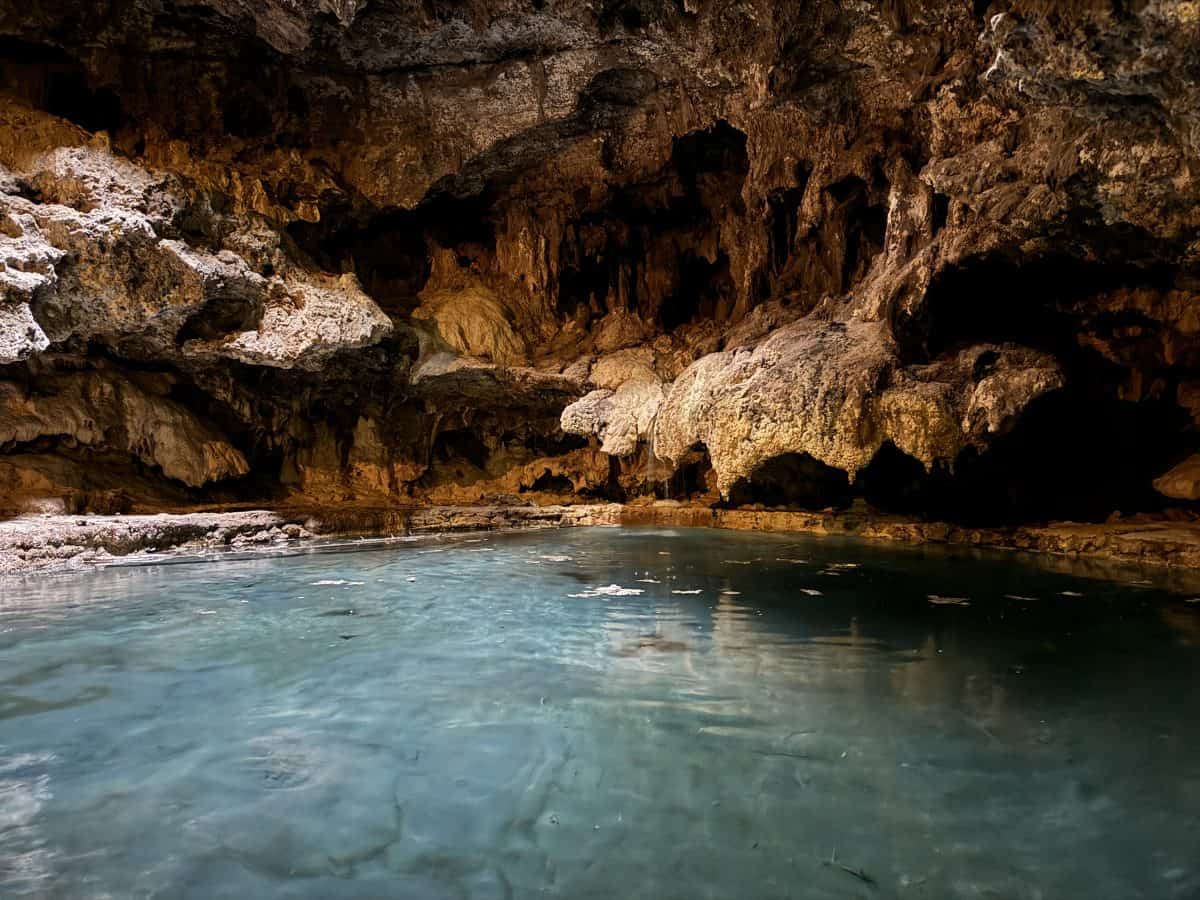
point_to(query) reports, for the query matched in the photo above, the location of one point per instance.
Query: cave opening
(792, 481)
(654, 246)
(220, 316)
(718, 151)
(460, 444)
(705, 291)
(896, 482)
(387, 252)
(1073, 455)
(864, 224)
(549, 483)
(692, 478)
(51, 79)
(783, 208)
(998, 298)
(1084, 452)
(247, 114)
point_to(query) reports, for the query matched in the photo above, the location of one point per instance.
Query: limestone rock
(836, 392)
(1182, 482)
(20, 334)
(397, 251)
(473, 321)
(622, 410)
(104, 412)
(304, 324)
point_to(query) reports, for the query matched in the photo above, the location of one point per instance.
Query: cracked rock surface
(940, 258)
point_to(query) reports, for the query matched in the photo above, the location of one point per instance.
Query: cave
(642, 250)
(792, 481)
(460, 444)
(594, 229)
(492, 449)
(52, 79)
(691, 478)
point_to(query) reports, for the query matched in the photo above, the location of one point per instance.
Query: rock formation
(941, 257)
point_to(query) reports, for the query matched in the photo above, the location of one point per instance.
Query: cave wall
(940, 257)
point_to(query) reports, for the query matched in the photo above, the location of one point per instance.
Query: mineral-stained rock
(472, 321)
(388, 252)
(836, 392)
(1182, 482)
(98, 411)
(20, 334)
(622, 409)
(303, 324)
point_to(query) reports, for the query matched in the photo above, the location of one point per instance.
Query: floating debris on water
(336, 612)
(556, 558)
(732, 593)
(948, 601)
(696, 591)
(790, 559)
(1069, 594)
(648, 581)
(812, 592)
(609, 590)
(328, 582)
(862, 876)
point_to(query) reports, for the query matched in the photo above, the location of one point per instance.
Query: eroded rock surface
(942, 257)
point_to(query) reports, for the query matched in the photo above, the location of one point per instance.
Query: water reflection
(509, 716)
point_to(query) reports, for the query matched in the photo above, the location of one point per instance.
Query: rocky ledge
(940, 259)
(45, 544)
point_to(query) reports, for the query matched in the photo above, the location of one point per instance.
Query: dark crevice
(460, 444)
(1026, 301)
(691, 479)
(645, 250)
(51, 79)
(939, 212)
(793, 480)
(550, 484)
(1073, 455)
(705, 291)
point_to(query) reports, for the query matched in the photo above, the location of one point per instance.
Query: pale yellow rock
(472, 320)
(112, 413)
(1181, 482)
(835, 391)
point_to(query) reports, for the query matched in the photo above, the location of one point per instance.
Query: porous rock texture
(942, 257)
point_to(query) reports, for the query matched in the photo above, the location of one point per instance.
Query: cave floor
(1129, 550)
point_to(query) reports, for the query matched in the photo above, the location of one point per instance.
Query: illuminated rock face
(942, 257)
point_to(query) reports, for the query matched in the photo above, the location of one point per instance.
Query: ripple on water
(810, 723)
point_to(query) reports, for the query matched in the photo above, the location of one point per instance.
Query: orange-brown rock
(943, 258)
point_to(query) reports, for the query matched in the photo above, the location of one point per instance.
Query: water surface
(503, 716)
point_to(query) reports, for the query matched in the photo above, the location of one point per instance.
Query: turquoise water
(474, 719)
